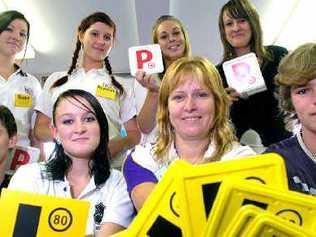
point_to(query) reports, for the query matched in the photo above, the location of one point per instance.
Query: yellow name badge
(36, 215)
(23, 100)
(106, 92)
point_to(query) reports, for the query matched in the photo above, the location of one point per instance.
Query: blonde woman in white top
(193, 125)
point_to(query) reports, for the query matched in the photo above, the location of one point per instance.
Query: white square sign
(147, 58)
(244, 74)
(21, 155)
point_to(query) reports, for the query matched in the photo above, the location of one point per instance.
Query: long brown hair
(243, 9)
(8, 16)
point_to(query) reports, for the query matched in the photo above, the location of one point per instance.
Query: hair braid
(114, 82)
(64, 79)
(75, 57)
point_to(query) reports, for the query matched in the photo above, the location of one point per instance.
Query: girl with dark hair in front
(241, 33)
(19, 91)
(91, 71)
(79, 166)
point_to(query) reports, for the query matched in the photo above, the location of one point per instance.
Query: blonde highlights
(163, 18)
(221, 133)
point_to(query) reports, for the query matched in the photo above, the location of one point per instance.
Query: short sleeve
(278, 52)
(119, 207)
(44, 103)
(238, 151)
(243, 151)
(140, 95)
(127, 101)
(135, 174)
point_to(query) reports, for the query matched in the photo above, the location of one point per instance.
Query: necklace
(309, 153)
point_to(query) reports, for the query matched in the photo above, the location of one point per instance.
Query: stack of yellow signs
(33, 215)
(254, 221)
(229, 217)
(209, 200)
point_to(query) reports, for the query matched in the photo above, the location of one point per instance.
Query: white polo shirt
(20, 93)
(109, 202)
(118, 110)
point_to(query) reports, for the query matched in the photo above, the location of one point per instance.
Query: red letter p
(143, 56)
(20, 157)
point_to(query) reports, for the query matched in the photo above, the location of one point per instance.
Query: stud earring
(57, 139)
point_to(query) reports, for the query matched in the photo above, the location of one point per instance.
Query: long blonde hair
(221, 134)
(163, 18)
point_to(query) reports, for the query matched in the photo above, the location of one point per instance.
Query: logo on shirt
(28, 90)
(98, 213)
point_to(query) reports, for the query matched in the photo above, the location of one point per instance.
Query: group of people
(187, 112)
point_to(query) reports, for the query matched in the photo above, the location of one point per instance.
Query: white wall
(54, 23)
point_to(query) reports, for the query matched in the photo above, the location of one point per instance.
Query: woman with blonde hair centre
(193, 125)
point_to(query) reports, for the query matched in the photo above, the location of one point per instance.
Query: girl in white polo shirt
(19, 91)
(80, 166)
(91, 71)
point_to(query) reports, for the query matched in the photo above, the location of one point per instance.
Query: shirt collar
(88, 189)
(173, 155)
(19, 70)
(100, 71)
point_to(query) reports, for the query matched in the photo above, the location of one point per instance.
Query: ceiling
(54, 23)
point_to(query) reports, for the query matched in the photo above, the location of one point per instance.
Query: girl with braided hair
(91, 71)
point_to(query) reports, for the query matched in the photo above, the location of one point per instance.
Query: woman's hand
(147, 80)
(233, 94)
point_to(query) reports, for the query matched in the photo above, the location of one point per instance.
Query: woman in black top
(241, 33)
